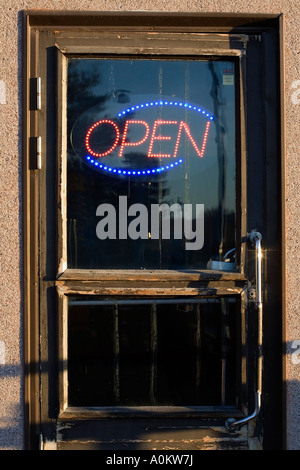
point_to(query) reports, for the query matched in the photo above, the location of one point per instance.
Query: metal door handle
(231, 423)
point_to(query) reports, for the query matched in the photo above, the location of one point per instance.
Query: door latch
(231, 423)
(251, 293)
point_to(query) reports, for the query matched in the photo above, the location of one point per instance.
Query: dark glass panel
(146, 352)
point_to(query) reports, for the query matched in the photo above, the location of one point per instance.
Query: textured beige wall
(11, 421)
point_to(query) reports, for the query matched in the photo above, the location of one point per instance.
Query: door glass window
(143, 352)
(151, 163)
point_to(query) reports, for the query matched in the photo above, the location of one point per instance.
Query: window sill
(150, 412)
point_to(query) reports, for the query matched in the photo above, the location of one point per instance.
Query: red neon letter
(159, 137)
(88, 135)
(133, 144)
(184, 125)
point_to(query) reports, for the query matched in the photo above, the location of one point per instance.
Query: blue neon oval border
(121, 171)
(167, 103)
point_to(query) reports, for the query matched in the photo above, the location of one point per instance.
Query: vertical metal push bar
(231, 423)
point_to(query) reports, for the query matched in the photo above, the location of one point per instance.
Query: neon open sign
(144, 139)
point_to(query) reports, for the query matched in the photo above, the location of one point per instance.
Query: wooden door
(159, 158)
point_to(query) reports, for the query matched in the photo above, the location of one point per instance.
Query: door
(158, 238)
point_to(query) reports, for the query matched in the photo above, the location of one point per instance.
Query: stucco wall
(11, 379)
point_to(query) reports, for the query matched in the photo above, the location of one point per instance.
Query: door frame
(271, 26)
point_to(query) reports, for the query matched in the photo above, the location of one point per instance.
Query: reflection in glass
(101, 90)
(162, 352)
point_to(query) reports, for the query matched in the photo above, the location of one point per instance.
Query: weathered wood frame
(134, 282)
(145, 44)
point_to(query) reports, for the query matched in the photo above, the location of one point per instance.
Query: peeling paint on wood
(149, 435)
(98, 289)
